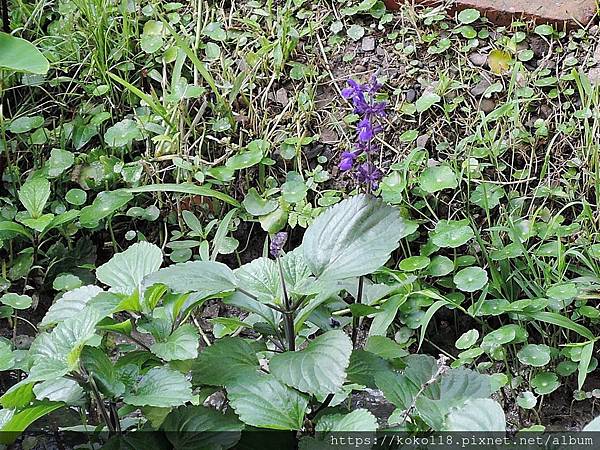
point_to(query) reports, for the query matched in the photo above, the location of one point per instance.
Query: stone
(487, 105)
(368, 44)
(557, 12)
(478, 59)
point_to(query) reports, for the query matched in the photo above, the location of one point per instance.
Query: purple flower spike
(367, 173)
(277, 243)
(347, 161)
(366, 130)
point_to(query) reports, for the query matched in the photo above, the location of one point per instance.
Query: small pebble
(477, 59)
(368, 44)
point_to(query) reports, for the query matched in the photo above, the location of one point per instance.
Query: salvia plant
(291, 367)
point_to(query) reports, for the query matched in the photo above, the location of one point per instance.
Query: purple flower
(367, 130)
(277, 243)
(347, 161)
(368, 173)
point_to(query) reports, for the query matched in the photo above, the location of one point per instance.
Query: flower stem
(355, 319)
(288, 315)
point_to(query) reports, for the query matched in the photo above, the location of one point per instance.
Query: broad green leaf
(102, 369)
(363, 367)
(467, 339)
(20, 55)
(62, 390)
(487, 195)
(226, 360)
(70, 304)
(359, 420)
(471, 279)
(319, 369)
(437, 178)
(21, 420)
(468, 16)
(452, 233)
(256, 205)
(545, 383)
(353, 238)
(414, 263)
(527, 400)
(563, 291)
(34, 194)
(180, 345)
(161, 387)
(122, 133)
(57, 353)
(7, 358)
(593, 426)
(206, 278)
(440, 266)
(534, 355)
(195, 427)
(16, 301)
(25, 124)
(477, 415)
(60, 160)
(261, 400)
(66, 282)
(8, 230)
(105, 204)
(125, 271)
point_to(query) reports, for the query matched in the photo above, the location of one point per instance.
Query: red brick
(501, 12)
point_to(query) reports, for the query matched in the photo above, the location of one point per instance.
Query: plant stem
(356, 320)
(5, 18)
(288, 315)
(101, 404)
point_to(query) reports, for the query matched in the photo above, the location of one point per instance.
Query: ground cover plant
(298, 216)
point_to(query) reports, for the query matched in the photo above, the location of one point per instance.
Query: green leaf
(471, 279)
(62, 390)
(355, 32)
(21, 420)
(256, 205)
(76, 197)
(57, 353)
(437, 178)
(584, 364)
(440, 266)
(468, 16)
(562, 321)
(34, 194)
(7, 358)
(467, 340)
(262, 401)
(198, 427)
(206, 278)
(545, 383)
(122, 133)
(102, 369)
(452, 233)
(161, 387)
(359, 420)
(534, 355)
(125, 271)
(20, 55)
(105, 204)
(70, 304)
(487, 195)
(319, 369)
(426, 101)
(16, 301)
(25, 124)
(482, 414)
(414, 263)
(184, 188)
(180, 345)
(527, 400)
(353, 238)
(226, 360)
(60, 160)
(8, 230)
(563, 291)
(151, 39)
